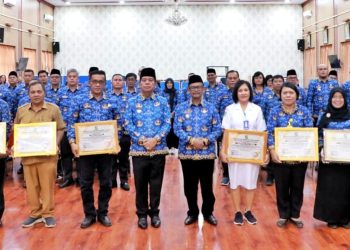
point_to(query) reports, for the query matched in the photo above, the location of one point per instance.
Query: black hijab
(333, 114)
(171, 92)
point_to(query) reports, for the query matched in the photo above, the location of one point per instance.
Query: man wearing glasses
(91, 107)
(197, 124)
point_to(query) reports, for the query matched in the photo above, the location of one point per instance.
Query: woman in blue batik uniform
(332, 203)
(289, 176)
(170, 94)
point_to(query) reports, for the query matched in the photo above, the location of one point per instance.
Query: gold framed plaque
(296, 144)
(3, 138)
(336, 145)
(245, 146)
(95, 138)
(35, 139)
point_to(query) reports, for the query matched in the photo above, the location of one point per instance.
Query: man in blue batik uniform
(318, 92)
(121, 161)
(65, 98)
(52, 89)
(90, 107)
(147, 120)
(293, 78)
(197, 124)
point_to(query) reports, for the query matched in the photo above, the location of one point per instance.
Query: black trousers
(195, 172)
(121, 161)
(148, 172)
(2, 179)
(66, 158)
(289, 181)
(87, 166)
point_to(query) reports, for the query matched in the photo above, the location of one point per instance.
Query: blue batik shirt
(147, 118)
(5, 116)
(86, 108)
(318, 94)
(120, 101)
(225, 100)
(270, 100)
(212, 94)
(65, 99)
(258, 97)
(197, 121)
(301, 117)
(52, 93)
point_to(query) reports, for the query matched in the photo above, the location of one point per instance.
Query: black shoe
(66, 183)
(155, 221)
(105, 220)
(298, 223)
(88, 221)
(142, 223)
(20, 170)
(250, 218)
(269, 180)
(211, 220)
(346, 225)
(114, 184)
(125, 186)
(238, 220)
(332, 225)
(190, 220)
(281, 222)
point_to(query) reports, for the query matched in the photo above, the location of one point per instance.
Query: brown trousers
(40, 180)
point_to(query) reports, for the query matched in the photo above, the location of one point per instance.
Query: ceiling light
(121, 1)
(287, 1)
(232, 1)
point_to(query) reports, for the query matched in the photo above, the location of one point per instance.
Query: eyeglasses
(196, 87)
(97, 82)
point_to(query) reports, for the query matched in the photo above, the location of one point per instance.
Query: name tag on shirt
(246, 124)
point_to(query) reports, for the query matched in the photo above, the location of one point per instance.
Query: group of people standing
(151, 120)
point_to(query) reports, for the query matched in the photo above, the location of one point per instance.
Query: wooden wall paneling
(326, 50)
(309, 66)
(7, 59)
(345, 62)
(32, 59)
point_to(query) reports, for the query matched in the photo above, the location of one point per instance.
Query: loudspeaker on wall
(1, 35)
(301, 44)
(55, 47)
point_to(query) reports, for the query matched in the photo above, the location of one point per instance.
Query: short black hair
(268, 77)
(291, 86)
(256, 74)
(236, 88)
(232, 71)
(29, 71)
(131, 75)
(97, 72)
(43, 71)
(277, 76)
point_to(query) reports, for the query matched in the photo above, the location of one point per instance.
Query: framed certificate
(95, 138)
(2, 137)
(296, 144)
(245, 146)
(336, 145)
(35, 139)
